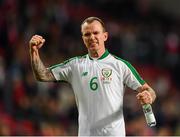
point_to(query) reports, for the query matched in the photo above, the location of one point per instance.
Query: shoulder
(74, 59)
(120, 60)
(124, 63)
(69, 61)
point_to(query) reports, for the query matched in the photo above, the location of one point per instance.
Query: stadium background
(144, 32)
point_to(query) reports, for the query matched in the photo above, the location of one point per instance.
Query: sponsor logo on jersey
(106, 75)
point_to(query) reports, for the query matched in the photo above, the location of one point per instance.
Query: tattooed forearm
(40, 71)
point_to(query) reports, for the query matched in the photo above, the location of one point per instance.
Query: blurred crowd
(144, 36)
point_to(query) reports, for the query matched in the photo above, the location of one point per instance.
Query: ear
(105, 36)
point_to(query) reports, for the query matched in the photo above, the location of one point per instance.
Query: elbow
(39, 79)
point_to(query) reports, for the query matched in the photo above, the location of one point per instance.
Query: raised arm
(41, 73)
(146, 94)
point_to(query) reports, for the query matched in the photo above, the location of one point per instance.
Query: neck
(97, 53)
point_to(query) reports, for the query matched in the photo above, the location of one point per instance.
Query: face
(94, 36)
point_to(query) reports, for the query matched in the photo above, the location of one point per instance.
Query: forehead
(93, 26)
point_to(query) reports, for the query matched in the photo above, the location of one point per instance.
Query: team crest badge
(106, 75)
(106, 72)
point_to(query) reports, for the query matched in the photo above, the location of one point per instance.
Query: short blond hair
(91, 19)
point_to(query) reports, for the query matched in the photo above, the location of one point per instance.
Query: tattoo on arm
(40, 71)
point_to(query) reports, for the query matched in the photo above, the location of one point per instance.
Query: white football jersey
(98, 86)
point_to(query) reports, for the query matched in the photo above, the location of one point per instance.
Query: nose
(92, 36)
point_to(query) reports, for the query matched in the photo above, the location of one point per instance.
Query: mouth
(93, 44)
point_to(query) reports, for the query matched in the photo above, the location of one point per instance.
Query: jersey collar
(106, 53)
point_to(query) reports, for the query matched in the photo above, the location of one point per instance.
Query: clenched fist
(145, 97)
(146, 94)
(36, 42)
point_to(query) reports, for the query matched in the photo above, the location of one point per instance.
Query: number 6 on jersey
(93, 84)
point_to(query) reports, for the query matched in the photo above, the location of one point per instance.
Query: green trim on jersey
(106, 53)
(133, 70)
(65, 62)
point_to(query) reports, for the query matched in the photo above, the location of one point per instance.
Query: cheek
(85, 42)
(101, 39)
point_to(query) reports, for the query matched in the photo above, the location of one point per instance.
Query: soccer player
(98, 80)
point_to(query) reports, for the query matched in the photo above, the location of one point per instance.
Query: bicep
(46, 77)
(50, 76)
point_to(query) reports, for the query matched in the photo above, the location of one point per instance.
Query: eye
(86, 34)
(96, 32)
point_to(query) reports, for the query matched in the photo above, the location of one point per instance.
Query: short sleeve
(131, 77)
(62, 71)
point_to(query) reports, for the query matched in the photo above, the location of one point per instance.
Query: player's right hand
(36, 42)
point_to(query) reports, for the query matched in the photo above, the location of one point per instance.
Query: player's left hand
(144, 97)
